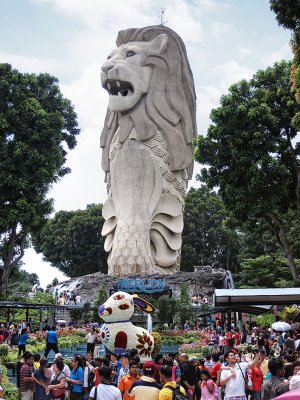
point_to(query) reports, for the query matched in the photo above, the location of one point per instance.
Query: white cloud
(231, 72)
(283, 53)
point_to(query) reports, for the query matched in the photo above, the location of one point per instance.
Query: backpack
(177, 395)
(91, 378)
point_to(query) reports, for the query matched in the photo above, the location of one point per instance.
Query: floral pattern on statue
(118, 333)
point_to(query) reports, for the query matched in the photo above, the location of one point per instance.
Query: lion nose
(107, 66)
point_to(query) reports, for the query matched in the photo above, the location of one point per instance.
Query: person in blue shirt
(23, 341)
(76, 378)
(51, 341)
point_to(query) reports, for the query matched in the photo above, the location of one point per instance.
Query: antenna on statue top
(161, 16)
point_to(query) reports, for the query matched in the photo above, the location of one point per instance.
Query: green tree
(185, 310)
(71, 241)
(207, 239)
(274, 269)
(102, 297)
(37, 126)
(288, 15)
(250, 155)
(166, 309)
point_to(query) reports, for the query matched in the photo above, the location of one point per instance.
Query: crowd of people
(256, 364)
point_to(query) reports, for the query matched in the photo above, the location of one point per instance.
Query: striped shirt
(26, 371)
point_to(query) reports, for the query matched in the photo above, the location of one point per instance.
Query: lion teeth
(118, 83)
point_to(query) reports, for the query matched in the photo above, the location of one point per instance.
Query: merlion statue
(147, 150)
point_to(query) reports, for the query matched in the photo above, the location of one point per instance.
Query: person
(51, 341)
(88, 377)
(146, 388)
(216, 367)
(97, 343)
(295, 379)
(76, 378)
(233, 377)
(127, 380)
(208, 362)
(41, 377)
(275, 386)
(26, 381)
(77, 299)
(169, 385)
(113, 365)
(289, 343)
(257, 378)
(186, 326)
(23, 341)
(188, 375)
(209, 390)
(57, 386)
(90, 337)
(105, 390)
(124, 370)
(66, 369)
(158, 361)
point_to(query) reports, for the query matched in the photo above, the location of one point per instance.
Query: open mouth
(118, 88)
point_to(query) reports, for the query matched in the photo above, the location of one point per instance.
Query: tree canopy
(250, 155)
(71, 241)
(37, 126)
(207, 240)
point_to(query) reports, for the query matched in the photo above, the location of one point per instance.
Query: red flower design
(145, 345)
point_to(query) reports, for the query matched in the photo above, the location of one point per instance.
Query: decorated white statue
(147, 150)
(118, 333)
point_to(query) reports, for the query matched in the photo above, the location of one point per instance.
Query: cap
(149, 366)
(125, 355)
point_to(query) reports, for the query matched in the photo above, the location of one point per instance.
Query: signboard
(141, 285)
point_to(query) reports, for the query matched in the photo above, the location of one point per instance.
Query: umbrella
(291, 395)
(61, 321)
(281, 326)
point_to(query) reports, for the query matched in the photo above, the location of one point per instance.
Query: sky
(226, 41)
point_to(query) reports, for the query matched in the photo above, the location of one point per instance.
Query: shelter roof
(241, 297)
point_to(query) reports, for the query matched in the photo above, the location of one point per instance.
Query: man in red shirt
(127, 380)
(257, 377)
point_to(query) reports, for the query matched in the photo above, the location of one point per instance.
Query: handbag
(56, 393)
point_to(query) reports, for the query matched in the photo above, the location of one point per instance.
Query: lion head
(151, 86)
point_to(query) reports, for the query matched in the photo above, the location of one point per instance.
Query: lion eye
(130, 53)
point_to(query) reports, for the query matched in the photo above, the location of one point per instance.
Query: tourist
(289, 343)
(127, 380)
(90, 337)
(158, 361)
(188, 375)
(295, 379)
(57, 386)
(124, 370)
(97, 343)
(77, 299)
(275, 386)
(216, 367)
(51, 341)
(186, 326)
(41, 377)
(23, 341)
(76, 378)
(233, 377)
(146, 388)
(66, 369)
(257, 378)
(26, 381)
(113, 365)
(169, 384)
(209, 390)
(105, 390)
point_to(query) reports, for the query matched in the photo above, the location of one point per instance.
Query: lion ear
(159, 44)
